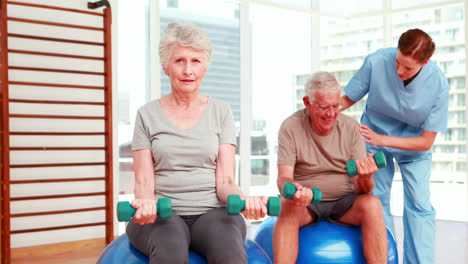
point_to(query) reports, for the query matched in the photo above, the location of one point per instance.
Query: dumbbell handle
(235, 205)
(125, 211)
(289, 190)
(379, 158)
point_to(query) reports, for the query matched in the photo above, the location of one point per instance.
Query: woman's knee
(165, 241)
(216, 220)
(167, 251)
(419, 206)
(228, 251)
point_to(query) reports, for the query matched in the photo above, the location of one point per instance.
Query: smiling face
(406, 66)
(186, 68)
(323, 111)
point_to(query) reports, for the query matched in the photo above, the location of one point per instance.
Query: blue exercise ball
(121, 251)
(255, 253)
(325, 243)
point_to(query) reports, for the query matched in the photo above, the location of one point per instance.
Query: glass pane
(398, 4)
(281, 54)
(448, 179)
(348, 8)
(300, 4)
(132, 72)
(344, 43)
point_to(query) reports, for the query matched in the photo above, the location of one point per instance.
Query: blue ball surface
(325, 243)
(121, 251)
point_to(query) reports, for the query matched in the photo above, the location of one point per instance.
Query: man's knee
(292, 214)
(369, 205)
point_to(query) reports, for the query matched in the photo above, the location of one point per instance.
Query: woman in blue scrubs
(406, 107)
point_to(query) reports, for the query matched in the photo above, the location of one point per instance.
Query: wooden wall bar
(56, 126)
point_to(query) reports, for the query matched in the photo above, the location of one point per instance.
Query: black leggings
(215, 234)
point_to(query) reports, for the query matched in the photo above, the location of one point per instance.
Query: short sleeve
(228, 130)
(286, 146)
(358, 150)
(358, 86)
(437, 119)
(141, 135)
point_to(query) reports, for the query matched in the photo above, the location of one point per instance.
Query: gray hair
(188, 35)
(323, 82)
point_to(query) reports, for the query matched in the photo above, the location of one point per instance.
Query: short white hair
(323, 82)
(185, 34)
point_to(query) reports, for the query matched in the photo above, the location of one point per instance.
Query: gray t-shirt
(185, 160)
(320, 161)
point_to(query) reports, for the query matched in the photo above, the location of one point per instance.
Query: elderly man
(314, 145)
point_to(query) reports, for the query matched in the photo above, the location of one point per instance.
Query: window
(461, 134)
(461, 149)
(452, 34)
(281, 59)
(133, 78)
(461, 100)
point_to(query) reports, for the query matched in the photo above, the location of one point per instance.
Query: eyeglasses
(326, 108)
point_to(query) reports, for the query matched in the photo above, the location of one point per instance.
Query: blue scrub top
(395, 110)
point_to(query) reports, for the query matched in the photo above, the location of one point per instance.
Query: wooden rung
(56, 196)
(32, 21)
(59, 85)
(59, 212)
(54, 228)
(55, 39)
(57, 148)
(56, 116)
(54, 70)
(58, 165)
(58, 133)
(27, 101)
(55, 54)
(55, 7)
(57, 180)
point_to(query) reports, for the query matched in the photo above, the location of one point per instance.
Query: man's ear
(306, 101)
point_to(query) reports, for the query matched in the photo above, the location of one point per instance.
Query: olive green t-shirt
(185, 160)
(320, 161)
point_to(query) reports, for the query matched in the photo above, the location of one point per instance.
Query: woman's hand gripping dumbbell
(125, 210)
(289, 190)
(379, 158)
(235, 205)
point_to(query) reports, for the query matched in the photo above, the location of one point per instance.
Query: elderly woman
(184, 148)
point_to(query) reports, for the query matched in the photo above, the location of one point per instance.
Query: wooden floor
(88, 256)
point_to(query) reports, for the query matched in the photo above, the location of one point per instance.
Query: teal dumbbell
(125, 211)
(289, 190)
(235, 205)
(379, 158)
